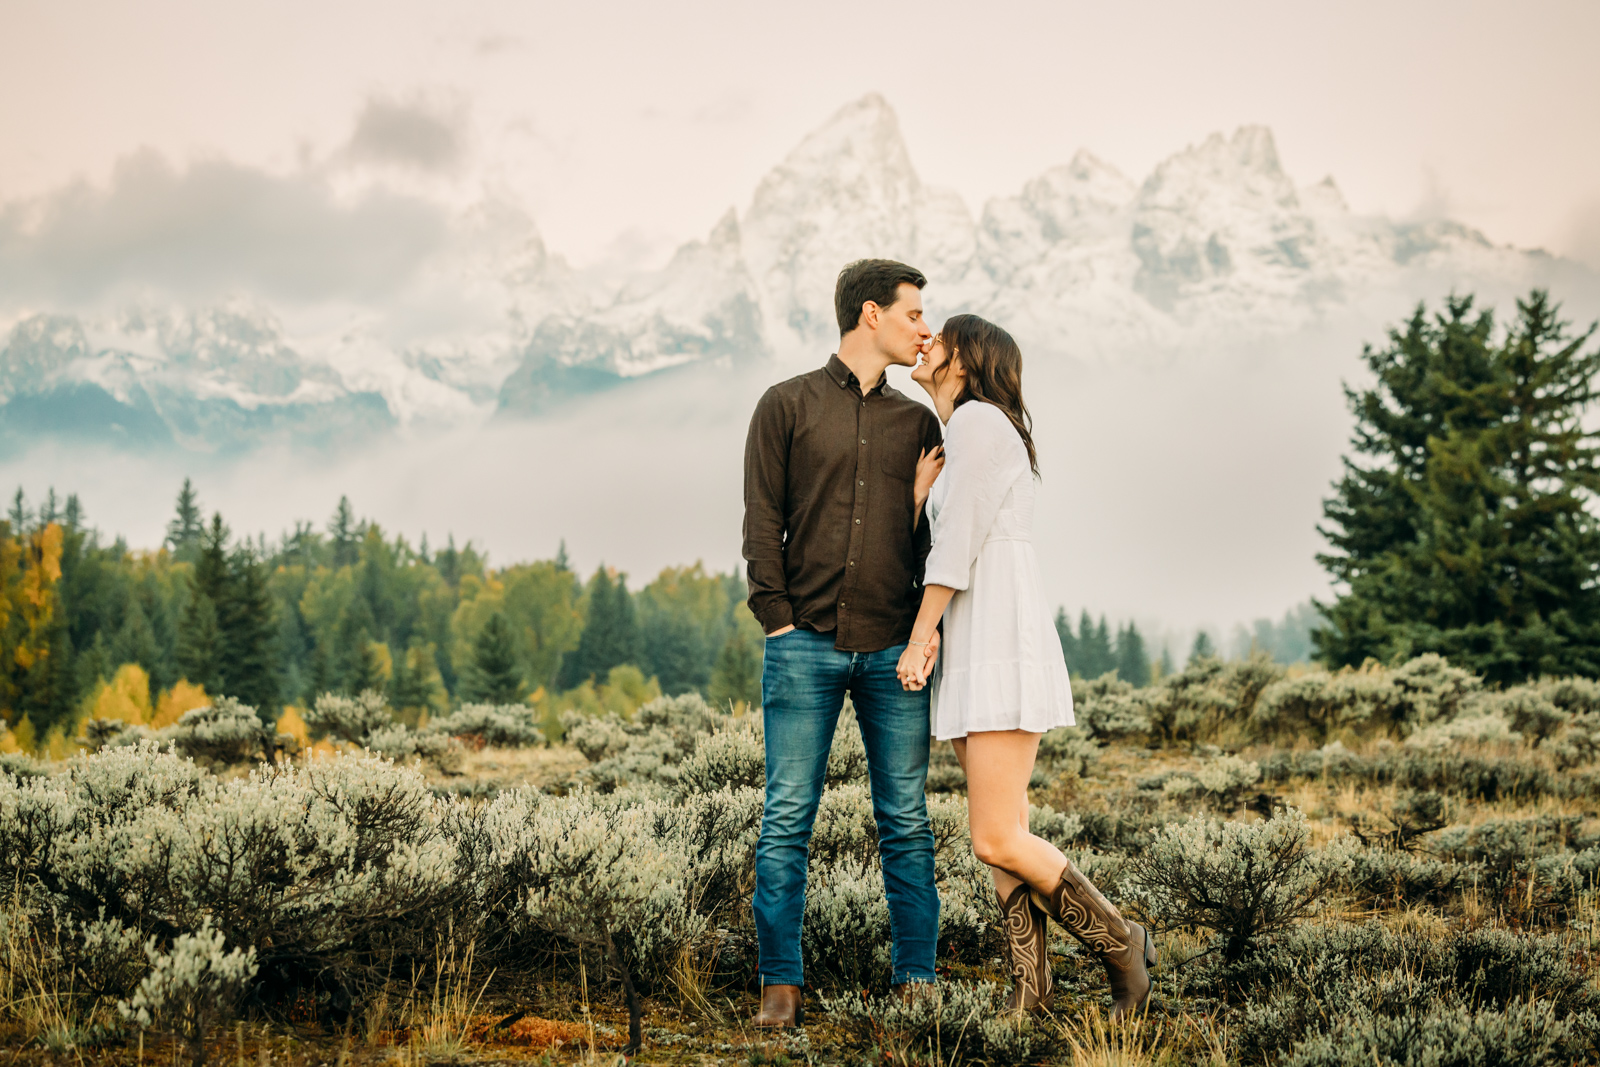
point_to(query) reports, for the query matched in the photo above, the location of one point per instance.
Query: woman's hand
(916, 663)
(929, 463)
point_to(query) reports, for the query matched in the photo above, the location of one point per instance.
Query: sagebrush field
(1391, 865)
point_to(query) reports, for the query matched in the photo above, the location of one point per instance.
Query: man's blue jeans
(803, 684)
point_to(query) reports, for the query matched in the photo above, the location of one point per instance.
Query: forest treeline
(349, 607)
(343, 609)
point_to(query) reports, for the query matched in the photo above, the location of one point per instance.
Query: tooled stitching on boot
(1088, 915)
(1024, 928)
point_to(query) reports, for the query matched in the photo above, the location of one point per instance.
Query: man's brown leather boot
(781, 1006)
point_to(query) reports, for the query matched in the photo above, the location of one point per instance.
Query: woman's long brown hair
(993, 363)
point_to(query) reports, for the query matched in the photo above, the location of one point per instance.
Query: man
(835, 547)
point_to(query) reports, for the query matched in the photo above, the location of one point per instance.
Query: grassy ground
(561, 1010)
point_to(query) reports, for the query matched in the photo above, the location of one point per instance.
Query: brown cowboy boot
(1123, 947)
(781, 1007)
(1032, 984)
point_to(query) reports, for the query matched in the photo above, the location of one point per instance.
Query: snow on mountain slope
(1216, 244)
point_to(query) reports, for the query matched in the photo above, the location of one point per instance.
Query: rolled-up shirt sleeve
(766, 477)
(983, 458)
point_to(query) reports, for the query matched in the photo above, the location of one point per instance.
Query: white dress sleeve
(984, 456)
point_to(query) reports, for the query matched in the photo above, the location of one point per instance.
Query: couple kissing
(890, 558)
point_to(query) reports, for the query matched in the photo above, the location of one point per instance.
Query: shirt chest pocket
(897, 458)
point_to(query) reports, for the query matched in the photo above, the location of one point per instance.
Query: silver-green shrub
(502, 725)
(1220, 782)
(965, 1021)
(1240, 880)
(349, 718)
(224, 731)
(191, 988)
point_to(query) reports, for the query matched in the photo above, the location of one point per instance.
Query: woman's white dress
(1000, 664)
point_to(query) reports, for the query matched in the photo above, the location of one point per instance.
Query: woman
(1002, 682)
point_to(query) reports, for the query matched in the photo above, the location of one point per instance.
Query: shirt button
(861, 483)
(858, 522)
(852, 563)
(863, 440)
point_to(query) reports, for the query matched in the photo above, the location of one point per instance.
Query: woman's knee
(996, 847)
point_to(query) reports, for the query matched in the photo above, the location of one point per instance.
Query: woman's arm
(917, 661)
(930, 461)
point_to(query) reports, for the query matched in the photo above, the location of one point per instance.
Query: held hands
(916, 663)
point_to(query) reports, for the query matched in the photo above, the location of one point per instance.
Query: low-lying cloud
(213, 228)
(408, 134)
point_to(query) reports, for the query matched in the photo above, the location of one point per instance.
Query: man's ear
(869, 315)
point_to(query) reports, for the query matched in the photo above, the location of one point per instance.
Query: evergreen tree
(199, 650)
(21, 518)
(1202, 648)
(675, 653)
(563, 564)
(348, 666)
(72, 516)
(343, 535)
(1470, 532)
(249, 636)
(1069, 641)
(494, 677)
(1095, 656)
(1133, 663)
(610, 635)
(1166, 661)
(49, 511)
(737, 676)
(367, 672)
(136, 640)
(413, 684)
(187, 526)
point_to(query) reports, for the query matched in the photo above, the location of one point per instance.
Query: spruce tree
(1094, 647)
(1069, 641)
(343, 535)
(367, 673)
(187, 526)
(737, 676)
(136, 640)
(494, 676)
(413, 685)
(1203, 648)
(1469, 531)
(674, 652)
(1133, 662)
(21, 518)
(199, 650)
(610, 635)
(249, 636)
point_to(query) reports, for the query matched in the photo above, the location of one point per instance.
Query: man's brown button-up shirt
(829, 508)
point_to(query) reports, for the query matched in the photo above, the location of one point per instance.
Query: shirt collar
(847, 378)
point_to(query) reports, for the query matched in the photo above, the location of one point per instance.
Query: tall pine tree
(494, 676)
(610, 635)
(1468, 531)
(187, 526)
(1133, 662)
(249, 636)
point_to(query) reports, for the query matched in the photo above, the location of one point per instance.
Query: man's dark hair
(877, 280)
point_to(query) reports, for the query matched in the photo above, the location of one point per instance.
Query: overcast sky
(313, 154)
(627, 127)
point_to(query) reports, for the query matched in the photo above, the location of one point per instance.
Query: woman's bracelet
(916, 642)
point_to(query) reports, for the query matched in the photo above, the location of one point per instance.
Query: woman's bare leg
(1004, 881)
(998, 765)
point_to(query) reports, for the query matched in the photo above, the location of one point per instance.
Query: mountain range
(1218, 243)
